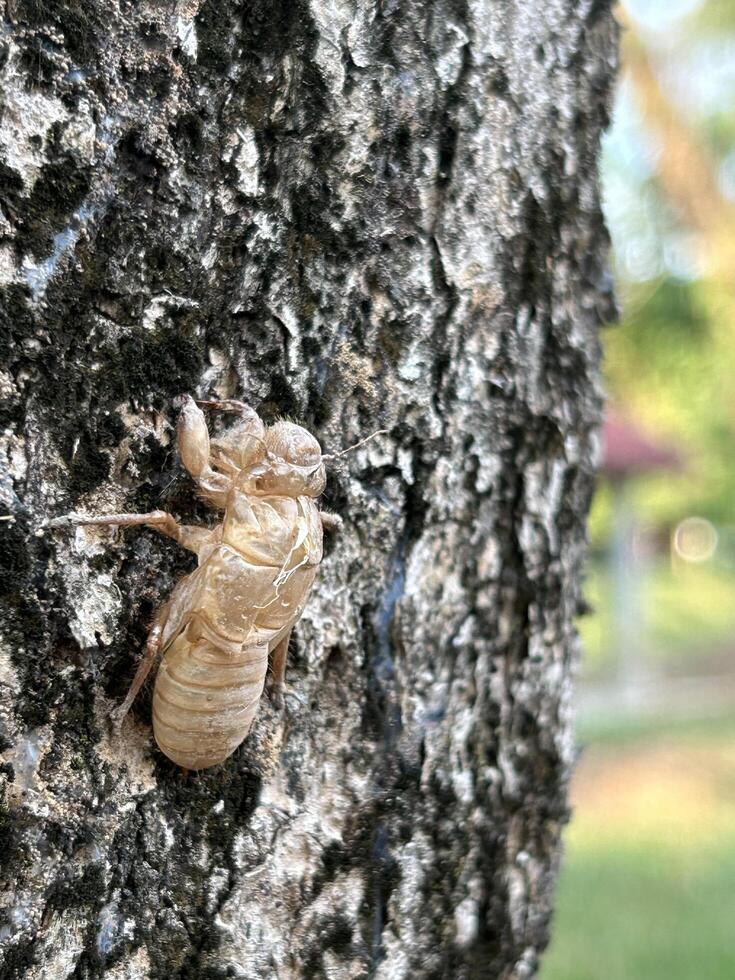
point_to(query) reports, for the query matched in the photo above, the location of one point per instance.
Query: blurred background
(647, 890)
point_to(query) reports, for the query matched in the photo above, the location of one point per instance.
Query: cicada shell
(255, 570)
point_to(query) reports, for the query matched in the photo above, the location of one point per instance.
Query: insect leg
(331, 522)
(194, 448)
(227, 405)
(277, 683)
(152, 650)
(187, 535)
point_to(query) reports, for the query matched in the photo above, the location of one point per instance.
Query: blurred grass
(647, 889)
(638, 916)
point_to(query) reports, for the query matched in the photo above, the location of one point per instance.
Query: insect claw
(277, 700)
(65, 521)
(276, 692)
(116, 718)
(224, 405)
(331, 522)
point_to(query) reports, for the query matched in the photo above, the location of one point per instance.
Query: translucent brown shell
(255, 570)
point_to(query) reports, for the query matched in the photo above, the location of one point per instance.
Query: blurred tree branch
(686, 171)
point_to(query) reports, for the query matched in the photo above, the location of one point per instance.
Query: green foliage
(670, 364)
(673, 370)
(687, 610)
(713, 18)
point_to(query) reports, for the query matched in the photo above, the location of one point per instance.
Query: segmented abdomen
(205, 700)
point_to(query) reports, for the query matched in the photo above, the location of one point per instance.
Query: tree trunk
(361, 215)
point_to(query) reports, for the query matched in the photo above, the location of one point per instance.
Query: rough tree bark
(361, 214)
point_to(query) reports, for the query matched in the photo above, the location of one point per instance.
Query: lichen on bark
(361, 215)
